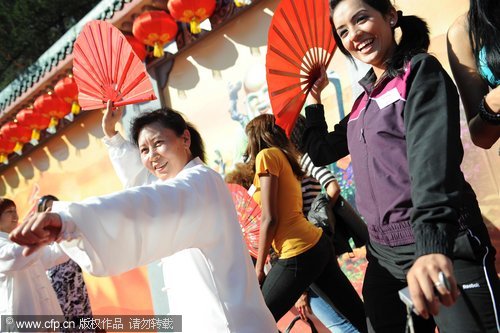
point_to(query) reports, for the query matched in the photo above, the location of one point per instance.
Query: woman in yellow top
(305, 254)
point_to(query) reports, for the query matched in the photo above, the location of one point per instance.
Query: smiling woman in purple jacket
(403, 135)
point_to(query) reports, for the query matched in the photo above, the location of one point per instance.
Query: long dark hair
(414, 37)
(43, 202)
(263, 133)
(6, 203)
(484, 31)
(173, 120)
(298, 134)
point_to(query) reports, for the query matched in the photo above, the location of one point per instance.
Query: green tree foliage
(29, 27)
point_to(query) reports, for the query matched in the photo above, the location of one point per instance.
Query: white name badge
(388, 98)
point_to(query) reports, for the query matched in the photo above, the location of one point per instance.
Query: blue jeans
(329, 316)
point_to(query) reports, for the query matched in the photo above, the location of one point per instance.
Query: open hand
(37, 230)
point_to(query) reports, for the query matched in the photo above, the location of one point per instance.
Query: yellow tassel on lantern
(239, 3)
(158, 50)
(4, 159)
(35, 137)
(194, 26)
(52, 125)
(18, 149)
(75, 108)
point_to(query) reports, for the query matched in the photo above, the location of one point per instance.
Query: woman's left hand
(423, 281)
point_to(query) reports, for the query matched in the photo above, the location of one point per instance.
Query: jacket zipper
(363, 139)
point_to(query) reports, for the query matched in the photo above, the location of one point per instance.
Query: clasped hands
(36, 231)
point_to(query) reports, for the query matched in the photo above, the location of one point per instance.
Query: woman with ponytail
(403, 135)
(474, 55)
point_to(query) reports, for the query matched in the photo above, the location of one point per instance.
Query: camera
(404, 294)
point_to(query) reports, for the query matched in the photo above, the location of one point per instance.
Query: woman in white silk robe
(186, 218)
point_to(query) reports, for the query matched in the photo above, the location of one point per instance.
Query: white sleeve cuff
(68, 229)
(115, 141)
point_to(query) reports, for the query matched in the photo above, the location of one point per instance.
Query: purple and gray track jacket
(403, 135)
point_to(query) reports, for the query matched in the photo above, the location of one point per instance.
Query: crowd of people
(425, 228)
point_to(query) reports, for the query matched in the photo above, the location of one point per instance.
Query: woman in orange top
(305, 254)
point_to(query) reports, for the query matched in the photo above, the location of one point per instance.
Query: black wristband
(491, 118)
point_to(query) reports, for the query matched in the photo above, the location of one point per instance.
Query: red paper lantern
(155, 28)
(6, 147)
(192, 12)
(137, 46)
(16, 134)
(67, 90)
(51, 106)
(33, 120)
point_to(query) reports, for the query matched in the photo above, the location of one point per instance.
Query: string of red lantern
(153, 28)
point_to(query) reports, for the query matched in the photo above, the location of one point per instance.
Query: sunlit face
(9, 219)
(365, 33)
(164, 153)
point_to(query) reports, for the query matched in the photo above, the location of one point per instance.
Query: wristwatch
(491, 118)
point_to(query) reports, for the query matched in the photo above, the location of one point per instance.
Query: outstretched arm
(114, 233)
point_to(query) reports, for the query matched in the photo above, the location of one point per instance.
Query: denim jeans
(329, 316)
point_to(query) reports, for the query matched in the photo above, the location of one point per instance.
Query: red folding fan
(106, 68)
(249, 214)
(300, 42)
